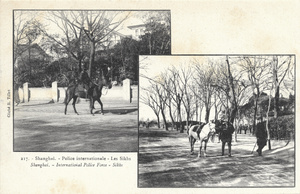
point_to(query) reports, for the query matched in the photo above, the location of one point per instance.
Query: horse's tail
(188, 129)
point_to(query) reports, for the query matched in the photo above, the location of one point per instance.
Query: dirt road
(165, 161)
(42, 126)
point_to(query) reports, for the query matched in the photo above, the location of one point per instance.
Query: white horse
(202, 133)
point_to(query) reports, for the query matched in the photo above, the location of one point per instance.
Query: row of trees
(233, 85)
(77, 38)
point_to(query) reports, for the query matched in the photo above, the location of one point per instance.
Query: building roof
(136, 26)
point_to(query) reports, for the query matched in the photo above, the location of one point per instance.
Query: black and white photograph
(150, 97)
(76, 77)
(217, 121)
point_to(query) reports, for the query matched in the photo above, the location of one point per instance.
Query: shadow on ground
(44, 127)
(165, 161)
(117, 111)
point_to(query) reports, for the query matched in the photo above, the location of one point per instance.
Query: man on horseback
(85, 80)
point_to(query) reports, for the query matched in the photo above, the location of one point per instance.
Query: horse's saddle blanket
(198, 129)
(80, 91)
(80, 88)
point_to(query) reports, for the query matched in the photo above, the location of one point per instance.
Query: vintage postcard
(149, 96)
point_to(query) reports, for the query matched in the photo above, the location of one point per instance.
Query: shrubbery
(286, 127)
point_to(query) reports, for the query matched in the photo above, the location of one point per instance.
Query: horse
(76, 90)
(225, 131)
(96, 93)
(202, 132)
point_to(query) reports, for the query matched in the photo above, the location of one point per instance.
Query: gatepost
(21, 94)
(54, 91)
(127, 90)
(26, 92)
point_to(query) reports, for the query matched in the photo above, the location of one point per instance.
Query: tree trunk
(276, 98)
(164, 118)
(178, 99)
(150, 49)
(79, 65)
(276, 102)
(170, 112)
(29, 58)
(158, 120)
(207, 112)
(187, 118)
(196, 109)
(255, 113)
(200, 115)
(92, 57)
(216, 109)
(232, 97)
(267, 122)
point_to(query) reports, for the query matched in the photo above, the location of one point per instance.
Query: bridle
(210, 128)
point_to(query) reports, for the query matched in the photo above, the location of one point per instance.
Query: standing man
(261, 135)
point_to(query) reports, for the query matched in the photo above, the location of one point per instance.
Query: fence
(126, 92)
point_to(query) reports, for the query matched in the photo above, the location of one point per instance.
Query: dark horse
(94, 93)
(225, 131)
(201, 132)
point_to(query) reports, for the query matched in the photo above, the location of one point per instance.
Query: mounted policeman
(85, 80)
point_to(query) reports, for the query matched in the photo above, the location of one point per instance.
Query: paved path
(165, 161)
(42, 126)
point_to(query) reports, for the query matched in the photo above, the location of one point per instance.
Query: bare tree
(152, 100)
(185, 75)
(204, 78)
(169, 87)
(25, 31)
(280, 67)
(71, 39)
(96, 25)
(254, 67)
(176, 96)
(99, 24)
(160, 95)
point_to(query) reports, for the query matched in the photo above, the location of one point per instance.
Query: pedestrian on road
(261, 135)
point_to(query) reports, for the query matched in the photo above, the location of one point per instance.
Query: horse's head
(212, 127)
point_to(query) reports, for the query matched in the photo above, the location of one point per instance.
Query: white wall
(45, 94)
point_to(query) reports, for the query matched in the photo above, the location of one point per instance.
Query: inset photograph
(216, 121)
(76, 77)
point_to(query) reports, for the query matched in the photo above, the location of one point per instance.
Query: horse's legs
(199, 155)
(92, 101)
(205, 144)
(74, 102)
(98, 100)
(66, 104)
(192, 142)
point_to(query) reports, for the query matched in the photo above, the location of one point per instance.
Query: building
(137, 30)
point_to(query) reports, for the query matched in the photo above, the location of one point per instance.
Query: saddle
(81, 91)
(198, 129)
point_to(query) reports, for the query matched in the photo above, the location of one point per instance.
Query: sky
(151, 66)
(134, 18)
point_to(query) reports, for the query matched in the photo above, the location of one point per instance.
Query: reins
(106, 89)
